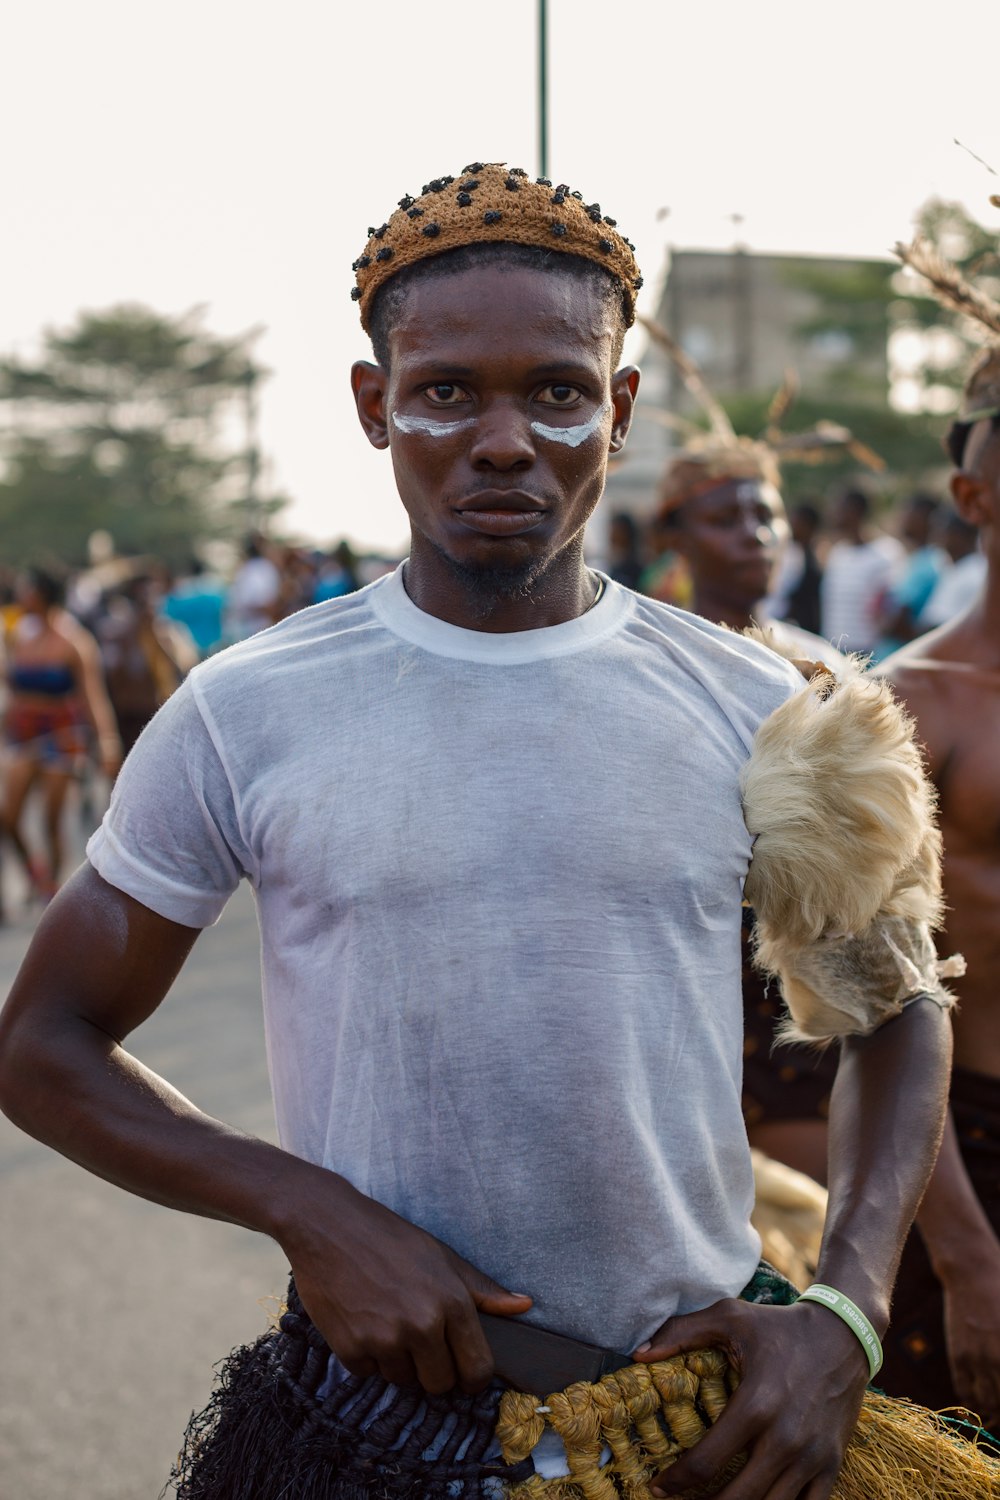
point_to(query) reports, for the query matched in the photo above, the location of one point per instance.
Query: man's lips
(500, 512)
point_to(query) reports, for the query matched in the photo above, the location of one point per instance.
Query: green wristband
(852, 1315)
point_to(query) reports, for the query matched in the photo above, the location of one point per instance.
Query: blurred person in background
(254, 598)
(725, 517)
(625, 560)
(796, 590)
(665, 577)
(196, 600)
(861, 567)
(55, 695)
(963, 576)
(943, 1345)
(337, 574)
(145, 656)
(907, 597)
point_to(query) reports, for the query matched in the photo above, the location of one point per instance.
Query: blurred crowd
(863, 584)
(90, 657)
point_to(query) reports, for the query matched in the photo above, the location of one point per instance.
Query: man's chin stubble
(488, 587)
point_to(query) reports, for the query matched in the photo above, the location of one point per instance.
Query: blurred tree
(852, 302)
(131, 422)
(875, 302)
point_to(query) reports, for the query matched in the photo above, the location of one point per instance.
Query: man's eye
(559, 395)
(445, 394)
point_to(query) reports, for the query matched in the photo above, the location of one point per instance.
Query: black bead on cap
(507, 206)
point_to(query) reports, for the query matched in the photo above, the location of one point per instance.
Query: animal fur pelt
(845, 879)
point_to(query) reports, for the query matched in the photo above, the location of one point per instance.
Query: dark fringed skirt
(277, 1427)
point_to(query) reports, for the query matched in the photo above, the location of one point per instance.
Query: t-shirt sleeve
(171, 837)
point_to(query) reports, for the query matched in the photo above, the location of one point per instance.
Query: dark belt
(539, 1361)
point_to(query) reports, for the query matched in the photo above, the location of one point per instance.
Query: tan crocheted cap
(490, 202)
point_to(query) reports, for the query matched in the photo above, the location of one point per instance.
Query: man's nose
(503, 438)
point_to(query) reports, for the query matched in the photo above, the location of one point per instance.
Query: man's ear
(369, 383)
(971, 498)
(624, 384)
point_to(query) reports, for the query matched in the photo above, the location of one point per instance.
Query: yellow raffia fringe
(645, 1416)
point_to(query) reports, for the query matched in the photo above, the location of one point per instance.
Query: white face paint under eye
(427, 426)
(571, 436)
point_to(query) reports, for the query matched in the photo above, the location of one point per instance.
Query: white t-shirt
(856, 580)
(498, 880)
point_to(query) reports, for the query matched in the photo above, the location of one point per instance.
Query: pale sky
(233, 152)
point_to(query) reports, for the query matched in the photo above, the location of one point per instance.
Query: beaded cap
(491, 202)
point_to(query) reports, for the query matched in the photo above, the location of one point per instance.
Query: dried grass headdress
(709, 459)
(981, 394)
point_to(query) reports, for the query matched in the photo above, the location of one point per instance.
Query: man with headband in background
(721, 509)
(491, 810)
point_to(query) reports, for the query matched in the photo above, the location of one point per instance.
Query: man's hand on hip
(802, 1376)
(392, 1300)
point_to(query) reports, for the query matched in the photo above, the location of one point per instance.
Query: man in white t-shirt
(254, 594)
(490, 807)
(861, 566)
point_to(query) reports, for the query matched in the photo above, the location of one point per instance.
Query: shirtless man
(946, 1297)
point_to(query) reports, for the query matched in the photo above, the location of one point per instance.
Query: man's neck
(499, 603)
(983, 622)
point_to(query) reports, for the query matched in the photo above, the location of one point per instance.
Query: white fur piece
(845, 879)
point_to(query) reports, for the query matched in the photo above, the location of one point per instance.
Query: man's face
(732, 537)
(500, 408)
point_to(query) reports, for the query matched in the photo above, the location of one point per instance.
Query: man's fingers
(712, 1327)
(399, 1369)
(493, 1299)
(435, 1367)
(361, 1367)
(470, 1350)
(730, 1436)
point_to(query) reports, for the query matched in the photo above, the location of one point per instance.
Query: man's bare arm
(965, 1254)
(960, 1240)
(386, 1295)
(804, 1372)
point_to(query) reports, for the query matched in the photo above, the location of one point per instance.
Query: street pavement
(113, 1311)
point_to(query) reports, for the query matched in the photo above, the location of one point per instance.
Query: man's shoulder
(719, 644)
(744, 677)
(946, 691)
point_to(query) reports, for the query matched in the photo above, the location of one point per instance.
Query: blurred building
(745, 319)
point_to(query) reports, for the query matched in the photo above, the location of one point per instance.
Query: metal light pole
(543, 88)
